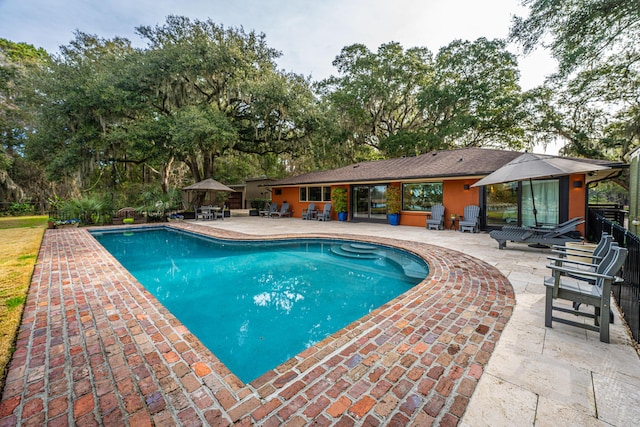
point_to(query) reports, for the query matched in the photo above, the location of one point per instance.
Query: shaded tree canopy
(475, 99)
(594, 100)
(406, 102)
(201, 100)
(18, 176)
(579, 32)
(197, 92)
(376, 93)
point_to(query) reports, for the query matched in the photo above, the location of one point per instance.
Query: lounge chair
(584, 287)
(284, 211)
(436, 221)
(310, 212)
(572, 222)
(325, 215)
(470, 220)
(559, 235)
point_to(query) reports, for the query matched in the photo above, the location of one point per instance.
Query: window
(420, 196)
(315, 194)
(327, 194)
(502, 204)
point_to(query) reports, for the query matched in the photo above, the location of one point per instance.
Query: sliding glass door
(368, 202)
(513, 203)
(545, 199)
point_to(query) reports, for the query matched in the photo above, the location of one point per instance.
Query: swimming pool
(256, 304)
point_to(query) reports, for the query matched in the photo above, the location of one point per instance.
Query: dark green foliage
(21, 209)
(579, 32)
(405, 102)
(593, 102)
(339, 199)
(201, 100)
(260, 204)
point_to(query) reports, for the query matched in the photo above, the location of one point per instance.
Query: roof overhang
(379, 181)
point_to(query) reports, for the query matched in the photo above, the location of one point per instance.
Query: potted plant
(258, 205)
(339, 201)
(393, 198)
(174, 217)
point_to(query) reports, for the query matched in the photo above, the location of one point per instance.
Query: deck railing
(627, 292)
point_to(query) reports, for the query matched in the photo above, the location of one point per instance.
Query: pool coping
(95, 346)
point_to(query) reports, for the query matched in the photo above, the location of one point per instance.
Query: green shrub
(260, 204)
(394, 200)
(21, 209)
(339, 199)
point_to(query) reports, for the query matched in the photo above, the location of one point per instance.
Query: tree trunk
(192, 162)
(166, 171)
(207, 165)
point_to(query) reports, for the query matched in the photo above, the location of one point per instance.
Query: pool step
(356, 250)
(411, 268)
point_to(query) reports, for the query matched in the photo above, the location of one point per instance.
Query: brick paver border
(95, 348)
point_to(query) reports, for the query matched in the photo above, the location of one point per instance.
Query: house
(444, 177)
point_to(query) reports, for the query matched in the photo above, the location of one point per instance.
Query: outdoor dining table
(210, 212)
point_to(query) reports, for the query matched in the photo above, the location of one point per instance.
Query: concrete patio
(96, 348)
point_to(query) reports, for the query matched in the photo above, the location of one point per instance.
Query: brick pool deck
(95, 348)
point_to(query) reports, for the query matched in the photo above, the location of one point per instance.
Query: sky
(308, 33)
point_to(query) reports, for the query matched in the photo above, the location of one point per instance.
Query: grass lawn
(20, 239)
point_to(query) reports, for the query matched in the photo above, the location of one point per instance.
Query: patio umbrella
(200, 189)
(530, 166)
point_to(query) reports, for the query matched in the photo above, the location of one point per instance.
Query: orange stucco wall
(291, 195)
(455, 198)
(577, 199)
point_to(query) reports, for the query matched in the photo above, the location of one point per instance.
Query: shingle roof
(437, 164)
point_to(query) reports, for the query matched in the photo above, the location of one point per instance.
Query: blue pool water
(257, 304)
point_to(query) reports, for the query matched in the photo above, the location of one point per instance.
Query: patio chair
(585, 287)
(284, 211)
(325, 215)
(436, 221)
(470, 220)
(204, 213)
(559, 235)
(310, 212)
(218, 212)
(273, 207)
(591, 259)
